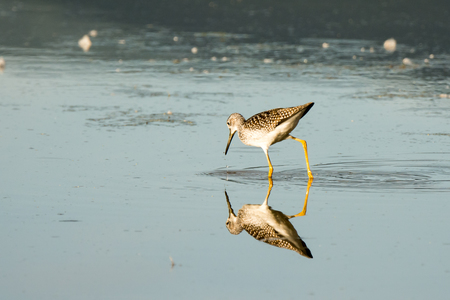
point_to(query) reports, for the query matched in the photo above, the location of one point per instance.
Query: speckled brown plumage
(265, 127)
(267, 234)
(263, 232)
(270, 119)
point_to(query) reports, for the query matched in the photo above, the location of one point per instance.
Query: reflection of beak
(230, 210)
(230, 137)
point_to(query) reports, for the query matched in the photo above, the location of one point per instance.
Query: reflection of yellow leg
(266, 201)
(303, 212)
(270, 164)
(270, 183)
(306, 154)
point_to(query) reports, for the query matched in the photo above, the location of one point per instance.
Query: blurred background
(417, 22)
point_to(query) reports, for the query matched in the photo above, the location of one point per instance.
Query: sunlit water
(113, 167)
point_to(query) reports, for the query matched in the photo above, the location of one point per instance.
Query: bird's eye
(228, 123)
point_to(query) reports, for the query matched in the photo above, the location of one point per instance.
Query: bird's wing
(270, 119)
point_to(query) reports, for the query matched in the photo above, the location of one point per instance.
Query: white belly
(262, 138)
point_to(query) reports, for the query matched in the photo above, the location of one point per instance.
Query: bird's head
(234, 122)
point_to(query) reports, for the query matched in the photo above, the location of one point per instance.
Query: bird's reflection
(268, 225)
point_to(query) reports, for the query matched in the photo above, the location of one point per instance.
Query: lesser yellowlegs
(267, 128)
(268, 225)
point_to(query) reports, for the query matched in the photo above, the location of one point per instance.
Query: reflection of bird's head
(233, 225)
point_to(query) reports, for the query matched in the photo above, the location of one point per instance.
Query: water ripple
(361, 175)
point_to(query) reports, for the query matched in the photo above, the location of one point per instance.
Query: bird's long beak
(230, 137)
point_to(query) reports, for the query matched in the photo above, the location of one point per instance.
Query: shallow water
(113, 166)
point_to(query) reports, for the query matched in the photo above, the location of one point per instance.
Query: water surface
(113, 171)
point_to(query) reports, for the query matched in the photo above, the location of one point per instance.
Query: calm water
(113, 166)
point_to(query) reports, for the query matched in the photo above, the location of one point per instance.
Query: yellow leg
(306, 154)
(270, 164)
(303, 212)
